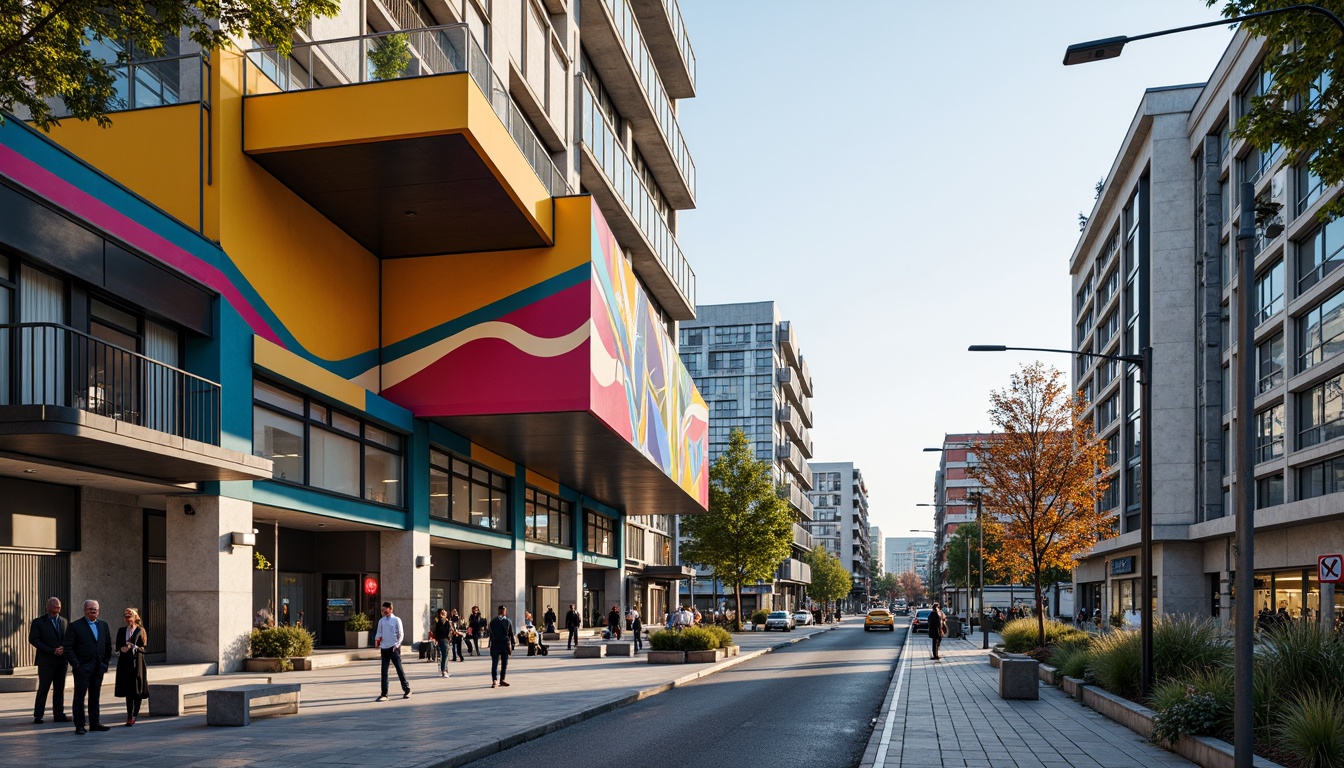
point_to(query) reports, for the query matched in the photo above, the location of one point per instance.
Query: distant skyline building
(840, 504)
(746, 363)
(875, 545)
(902, 554)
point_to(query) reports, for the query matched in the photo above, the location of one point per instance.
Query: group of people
(684, 616)
(449, 631)
(85, 647)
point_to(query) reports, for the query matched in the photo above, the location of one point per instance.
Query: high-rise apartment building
(1156, 265)
(389, 317)
(953, 492)
(840, 522)
(903, 554)
(748, 366)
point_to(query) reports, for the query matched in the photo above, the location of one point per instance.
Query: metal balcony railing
(615, 164)
(441, 50)
(50, 364)
(160, 82)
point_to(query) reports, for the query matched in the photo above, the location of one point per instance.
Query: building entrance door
(340, 601)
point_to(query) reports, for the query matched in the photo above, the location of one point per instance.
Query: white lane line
(895, 703)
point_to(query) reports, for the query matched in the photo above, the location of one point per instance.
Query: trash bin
(954, 626)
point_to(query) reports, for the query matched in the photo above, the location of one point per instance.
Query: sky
(903, 178)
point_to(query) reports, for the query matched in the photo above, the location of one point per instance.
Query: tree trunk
(1040, 614)
(737, 592)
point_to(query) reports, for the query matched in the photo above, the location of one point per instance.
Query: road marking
(895, 703)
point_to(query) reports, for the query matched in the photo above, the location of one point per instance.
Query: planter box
(1073, 686)
(1019, 679)
(356, 639)
(667, 657)
(298, 664)
(706, 657)
(732, 650)
(1049, 675)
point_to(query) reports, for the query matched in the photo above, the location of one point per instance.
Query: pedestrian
(47, 634)
(572, 624)
(439, 632)
(549, 619)
(937, 628)
(695, 617)
(528, 634)
(457, 630)
(88, 651)
(501, 645)
(614, 622)
(1082, 615)
(475, 630)
(132, 681)
(388, 641)
(637, 627)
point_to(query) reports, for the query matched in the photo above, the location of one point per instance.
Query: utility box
(1019, 678)
(954, 626)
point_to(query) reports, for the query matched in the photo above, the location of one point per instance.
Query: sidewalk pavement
(948, 713)
(445, 723)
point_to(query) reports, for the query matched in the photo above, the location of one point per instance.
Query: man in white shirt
(388, 640)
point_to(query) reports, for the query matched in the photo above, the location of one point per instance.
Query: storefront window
(549, 519)
(599, 534)
(462, 492)
(1294, 593)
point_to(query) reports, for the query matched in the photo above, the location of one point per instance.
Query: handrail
(438, 50)
(54, 364)
(140, 91)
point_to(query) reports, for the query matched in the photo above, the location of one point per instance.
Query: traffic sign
(1330, 569)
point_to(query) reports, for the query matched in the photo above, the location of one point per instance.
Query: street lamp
(1144, 361)
(1243, 610)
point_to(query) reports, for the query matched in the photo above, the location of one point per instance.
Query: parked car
(879, 618)
(781, 620)
(921, 620)
(803, 618)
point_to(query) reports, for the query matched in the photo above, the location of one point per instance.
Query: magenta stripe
(66, 195)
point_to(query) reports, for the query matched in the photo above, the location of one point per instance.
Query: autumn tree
(1041, 479)
(912, 587)
(44, 44)
(888, 586)
(830, 580)
(966, 540)
(1302, 107)
(748, 530)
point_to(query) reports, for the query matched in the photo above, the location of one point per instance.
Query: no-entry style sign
(1330, 569)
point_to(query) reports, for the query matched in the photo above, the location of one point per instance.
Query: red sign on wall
(370, 585)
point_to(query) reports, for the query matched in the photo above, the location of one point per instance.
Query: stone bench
(590, 651)
(168, 698)
(233, 706)
(1019, 678)
(620, 648)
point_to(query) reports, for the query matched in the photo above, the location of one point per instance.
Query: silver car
(782, 620)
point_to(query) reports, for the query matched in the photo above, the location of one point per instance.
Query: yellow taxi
(879, 618)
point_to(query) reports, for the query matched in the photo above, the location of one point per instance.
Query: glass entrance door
(340, 600)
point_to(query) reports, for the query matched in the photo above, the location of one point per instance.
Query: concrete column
(571, 588)
(109, 567)
(209, 581)
(405, 585)
(614, 584)
(508, 569)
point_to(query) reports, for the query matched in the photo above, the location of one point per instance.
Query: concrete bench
(1019, 678)
(169, 697)
(620, 648)
(233, 706)
(590, 651)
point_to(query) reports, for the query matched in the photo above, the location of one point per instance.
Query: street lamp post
(968, 562)
(980, 549)
(1243, 610)
(1144, 361)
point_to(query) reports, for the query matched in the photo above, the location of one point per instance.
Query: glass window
(765, 333)
(692, 337)
(382, 475)
(279, 438)
(1268, 491)
(474, 495)
(732, 334)
(1319, 253)
(1321, 478)
(1320, 332)
(1269, 293)
(1269, 433)
(1309, 187)
(1269, 363)
(549, 518)
(333, 462)
(1319, 413)
(599, 534)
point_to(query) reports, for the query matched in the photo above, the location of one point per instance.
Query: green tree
(967, 537)
(43, 43)
(888, 586)
(390, 56)
(830, 580)
(1302, 109)
(748, 530)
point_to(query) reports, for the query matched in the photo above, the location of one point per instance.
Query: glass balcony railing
(449, 49)
(633, 40)
(161, 82)
(611, 157)
(50, 364)
(683, 39)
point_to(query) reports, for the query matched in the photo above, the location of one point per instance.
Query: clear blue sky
(904, 178)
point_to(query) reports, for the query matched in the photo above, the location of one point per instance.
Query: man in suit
(572, 624)
(47, 635)
(88, 651)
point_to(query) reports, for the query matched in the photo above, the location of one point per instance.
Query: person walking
(636, 627)
(132, 681)
(549, 620)
(501, 645)
(88, 651)
(440, 631)
(388, 641)
(47, 634)
(937, 628)
(457, 630)
(475, 630)
(572, 625)
(614, 623)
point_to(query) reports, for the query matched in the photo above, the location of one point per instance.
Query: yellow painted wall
(154, 152)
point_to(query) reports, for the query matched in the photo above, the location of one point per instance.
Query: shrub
(281, 643)
(1115, 662)
(1195, 714)
(698, 639)
(358, 622)
(665, 640)
(1071, 656)
(721, 635)
(759, 617)
(1183, 645)
(1196, 704)
(1021, 635)
(1311, 727)
(1292, 661)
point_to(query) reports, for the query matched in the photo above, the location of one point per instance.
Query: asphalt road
(810, 705)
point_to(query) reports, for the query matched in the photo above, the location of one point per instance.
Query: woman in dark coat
(936, 619)
(132, 684)
(476, 625)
